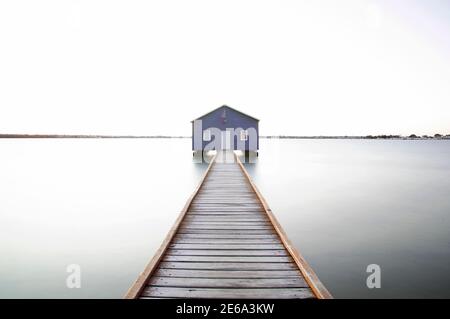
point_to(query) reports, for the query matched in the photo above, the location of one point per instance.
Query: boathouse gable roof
(225, 107)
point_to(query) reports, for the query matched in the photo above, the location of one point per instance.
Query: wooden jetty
(226, 243)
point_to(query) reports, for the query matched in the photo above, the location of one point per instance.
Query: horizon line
(282, 136)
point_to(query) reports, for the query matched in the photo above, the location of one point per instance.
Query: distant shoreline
(369, 137)
(85, 136)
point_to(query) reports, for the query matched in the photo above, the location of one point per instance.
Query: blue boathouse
(225, 128)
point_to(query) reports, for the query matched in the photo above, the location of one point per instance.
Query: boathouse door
(226, 140)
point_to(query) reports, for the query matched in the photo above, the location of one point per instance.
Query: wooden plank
(224, 203)
(228, 266)
(217, 187)
(230, 187)
(243, 205)
(229, 232)
(225, 220)
(223, 230)
(258, 293)
(228, 213)
(231, 252)
(189, 273)
(221, 185)
(216, 179)
(237, 199)
(227, 236)
(230, 198)
(227, 246)
(224, 226)
(227, 197)
(216, 241)
(250, 210)
(226, 216)
(224, 194)
(227, 209)
(290, 282)
(230, 259)
(226, 179)
(229, 219)
(225, 241)
(227, 194)
(204, 194)
(234, 212)
(206, 223)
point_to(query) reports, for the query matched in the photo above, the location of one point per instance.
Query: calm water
(107, 205)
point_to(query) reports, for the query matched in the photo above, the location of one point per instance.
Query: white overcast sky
(149, 67)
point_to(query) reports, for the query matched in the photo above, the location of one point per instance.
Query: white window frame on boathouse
(244, 135)
(207, 135)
